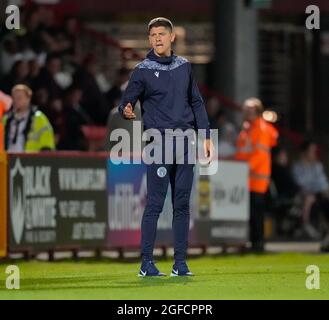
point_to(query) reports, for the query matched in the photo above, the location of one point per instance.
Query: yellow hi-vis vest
(40, 135)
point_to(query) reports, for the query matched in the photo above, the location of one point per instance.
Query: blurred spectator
(104, 77)
(26, 128)
(309, 174)
(290, 194)
(213, 107)
(93, 100)
(69, 36)
(73, 102)
(25, 52)
(282, 177)
(35, 67)
(61, 40)
(114, 94)
(227, 136)
(19, 74)
(41, 99)
(42, 30)
(75, 117)
(46, 79)
(9, 54)
(57, 120)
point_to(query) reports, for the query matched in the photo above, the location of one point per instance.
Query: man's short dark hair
(160, 22)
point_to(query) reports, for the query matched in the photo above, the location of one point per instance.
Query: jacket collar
(163, 60)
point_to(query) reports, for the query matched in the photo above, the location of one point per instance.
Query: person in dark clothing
(36, 27)
(46, 78)
(75, 117)
(170, 99)
(55, 113)
(69, 37)
(286, 199)
(282, 177)
(19, 74)
(114, 94)
(93, 101)
(310, 175)
(213, 108)
(41, 99)
(292, 194)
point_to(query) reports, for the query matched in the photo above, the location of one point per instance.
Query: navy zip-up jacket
(168, 93)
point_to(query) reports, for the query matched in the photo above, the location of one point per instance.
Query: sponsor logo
(161, 172)
(17, 194)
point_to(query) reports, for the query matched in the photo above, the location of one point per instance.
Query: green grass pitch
(269, 276)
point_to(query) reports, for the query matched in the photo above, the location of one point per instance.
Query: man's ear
(173, 37)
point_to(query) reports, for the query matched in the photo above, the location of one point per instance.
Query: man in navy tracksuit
(170, 99)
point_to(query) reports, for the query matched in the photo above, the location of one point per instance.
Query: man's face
(21, 101)
(312, 152)
(249, 112)
(23, 70)
(161, 39)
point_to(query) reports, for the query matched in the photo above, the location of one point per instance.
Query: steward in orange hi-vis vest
(254, 146)
(5, 104)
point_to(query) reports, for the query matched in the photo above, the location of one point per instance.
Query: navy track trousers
(180, 176)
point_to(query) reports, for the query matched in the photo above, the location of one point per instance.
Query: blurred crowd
(300, 193)
(68, 87)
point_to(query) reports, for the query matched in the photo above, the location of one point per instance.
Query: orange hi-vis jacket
(2, 111)
(254, 146)
(5, 103)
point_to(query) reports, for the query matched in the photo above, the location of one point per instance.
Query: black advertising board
(57, 201)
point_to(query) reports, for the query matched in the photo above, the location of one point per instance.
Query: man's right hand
(128, 112)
